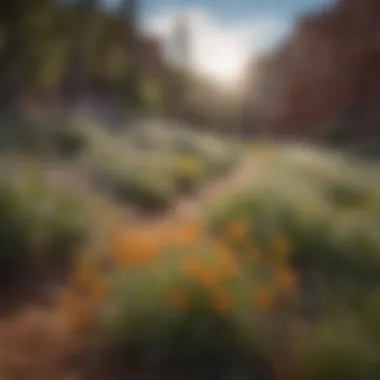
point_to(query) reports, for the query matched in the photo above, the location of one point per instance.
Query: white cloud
(219, 50)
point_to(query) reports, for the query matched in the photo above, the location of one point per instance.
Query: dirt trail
(193, 206)
(35, 343)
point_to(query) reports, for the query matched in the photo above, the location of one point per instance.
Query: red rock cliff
(326, 74)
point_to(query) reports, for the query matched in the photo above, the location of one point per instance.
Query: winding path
(35, 343)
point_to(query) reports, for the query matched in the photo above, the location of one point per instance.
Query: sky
(225, 34)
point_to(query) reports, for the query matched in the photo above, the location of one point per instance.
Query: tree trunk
(10, 59)
(75, 82)
(133, 77)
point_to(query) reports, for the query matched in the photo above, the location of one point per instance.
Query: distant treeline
(65, 53)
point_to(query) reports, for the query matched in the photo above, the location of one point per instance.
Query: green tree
(132, 85)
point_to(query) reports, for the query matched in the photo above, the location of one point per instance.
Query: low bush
(181, 323)
(41, 223)
(178, 300)
(69, 140)
(134, 183)
(345, 193)
(147, 191)
(189, 173)
(332, 233)
(337, 350)
(23, 133)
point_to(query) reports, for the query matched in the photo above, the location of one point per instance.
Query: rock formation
(324, 81)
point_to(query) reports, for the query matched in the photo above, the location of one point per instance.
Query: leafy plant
(41, 223)
(336, 350)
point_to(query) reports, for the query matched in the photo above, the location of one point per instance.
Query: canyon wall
(324, 81)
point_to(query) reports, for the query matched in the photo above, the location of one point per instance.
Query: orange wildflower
(136, 259)
(120, 246)
(148, 247)
(229, 266)
(237, 229)
(221, 301)
(192, 267)
(264, 298)
(125, 259)
(139, 249)
(187, 233)
(223, 249)
(178, 299)
(206, 275)
(209, 276)
(286, 279)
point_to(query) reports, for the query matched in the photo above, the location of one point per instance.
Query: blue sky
(225, 34)
(237, 10)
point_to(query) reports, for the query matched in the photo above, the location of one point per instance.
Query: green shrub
(336, 350)
(216, 154)
(145, 190)
(344, 193)
(152, 163)
(219, 155)
(140, 177)
(161, 317)
(19, 132)
(370, 316)
(189, 173)
(339, 244)
(69, 141)
(41, 222)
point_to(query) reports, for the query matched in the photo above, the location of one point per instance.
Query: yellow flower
(189, 165)
(178, 299)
